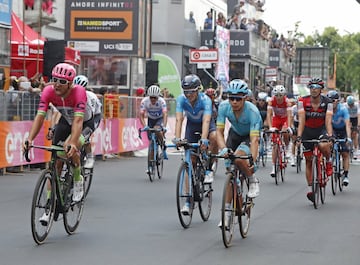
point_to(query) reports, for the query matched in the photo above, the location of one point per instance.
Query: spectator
(221, 20)
(99, 75)
(111, 75)
(243, 23)
(140, 92)
(191, 17)
(208, 23)
(233, 22)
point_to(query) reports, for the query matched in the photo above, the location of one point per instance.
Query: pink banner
(12, 136)
(129, 135)
(105, 139)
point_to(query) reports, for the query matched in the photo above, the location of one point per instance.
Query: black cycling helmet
(333, 94)
(316, 81)
(191, 82)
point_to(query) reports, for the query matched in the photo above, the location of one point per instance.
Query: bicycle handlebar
(52, 148)
(149, 130)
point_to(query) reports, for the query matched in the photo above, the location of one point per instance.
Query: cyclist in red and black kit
(315, 116)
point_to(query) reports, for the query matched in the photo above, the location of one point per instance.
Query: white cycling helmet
(279, 89)
(153, 91)
(262, 96)
(81, 80)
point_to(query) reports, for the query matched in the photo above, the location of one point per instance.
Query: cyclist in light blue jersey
(243, 136)
(197, 107)
(341, 130)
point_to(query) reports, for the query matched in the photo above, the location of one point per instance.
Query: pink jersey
(73, 105)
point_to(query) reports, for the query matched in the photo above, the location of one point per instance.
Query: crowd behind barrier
(117, 133)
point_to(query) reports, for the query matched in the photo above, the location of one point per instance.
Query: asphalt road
(129, 220)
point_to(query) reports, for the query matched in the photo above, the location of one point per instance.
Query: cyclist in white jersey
(354, 112)
(155, 107)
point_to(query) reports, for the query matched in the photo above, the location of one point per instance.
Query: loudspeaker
(152, 71)
(54, 53)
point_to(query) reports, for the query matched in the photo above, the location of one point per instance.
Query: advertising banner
(103, 26)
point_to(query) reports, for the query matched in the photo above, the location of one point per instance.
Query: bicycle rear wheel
(151, 163)
(42, 204)
(160, 162)
(315, 182)
(72, 210)
(184, 195)
(246, 206)
(228, 210)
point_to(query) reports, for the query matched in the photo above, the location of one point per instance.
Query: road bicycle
(190, 186)
(336, 177)
(318, 173)
(262, 150)
(155, 153)
(53, 196)
(235, 191)
(280, 154)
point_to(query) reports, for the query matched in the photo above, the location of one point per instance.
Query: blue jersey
(340, 116)
(249, 122)
(203, 106)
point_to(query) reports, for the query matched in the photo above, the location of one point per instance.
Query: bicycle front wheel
(277, 164)
(151, 163)
(184, 196)
(88, 175)
(205, 192)
(43, 207)
(315, 182)
(246, 206)
(228, 210)
(72, 210)
(323, 181)
(160, 163)
(334, 177)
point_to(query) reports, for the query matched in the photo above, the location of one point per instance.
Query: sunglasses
(278, 95)
(59, 80)
(315, 86)
(153, 97)
(189, 91)
(236, 98)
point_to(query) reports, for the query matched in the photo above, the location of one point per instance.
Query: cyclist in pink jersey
(70, 100)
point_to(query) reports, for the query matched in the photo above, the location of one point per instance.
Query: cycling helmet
(191, 82)
(333, 94)
(140, 92)
(262, 96)
(64, 71)
(350, 100)
(210, 92)
(81, 80)
(237, 86)
(153, 91)
(316, 81)
(279, 89)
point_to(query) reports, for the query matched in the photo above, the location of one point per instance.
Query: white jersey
(354, 110)
(93, 105)
(154, 111)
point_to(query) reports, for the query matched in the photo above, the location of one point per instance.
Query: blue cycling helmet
(191, 82)
(238, 86)
(350, 100)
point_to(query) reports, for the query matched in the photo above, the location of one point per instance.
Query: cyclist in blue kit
(341, 130)
(197, 107)
(243, 136)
